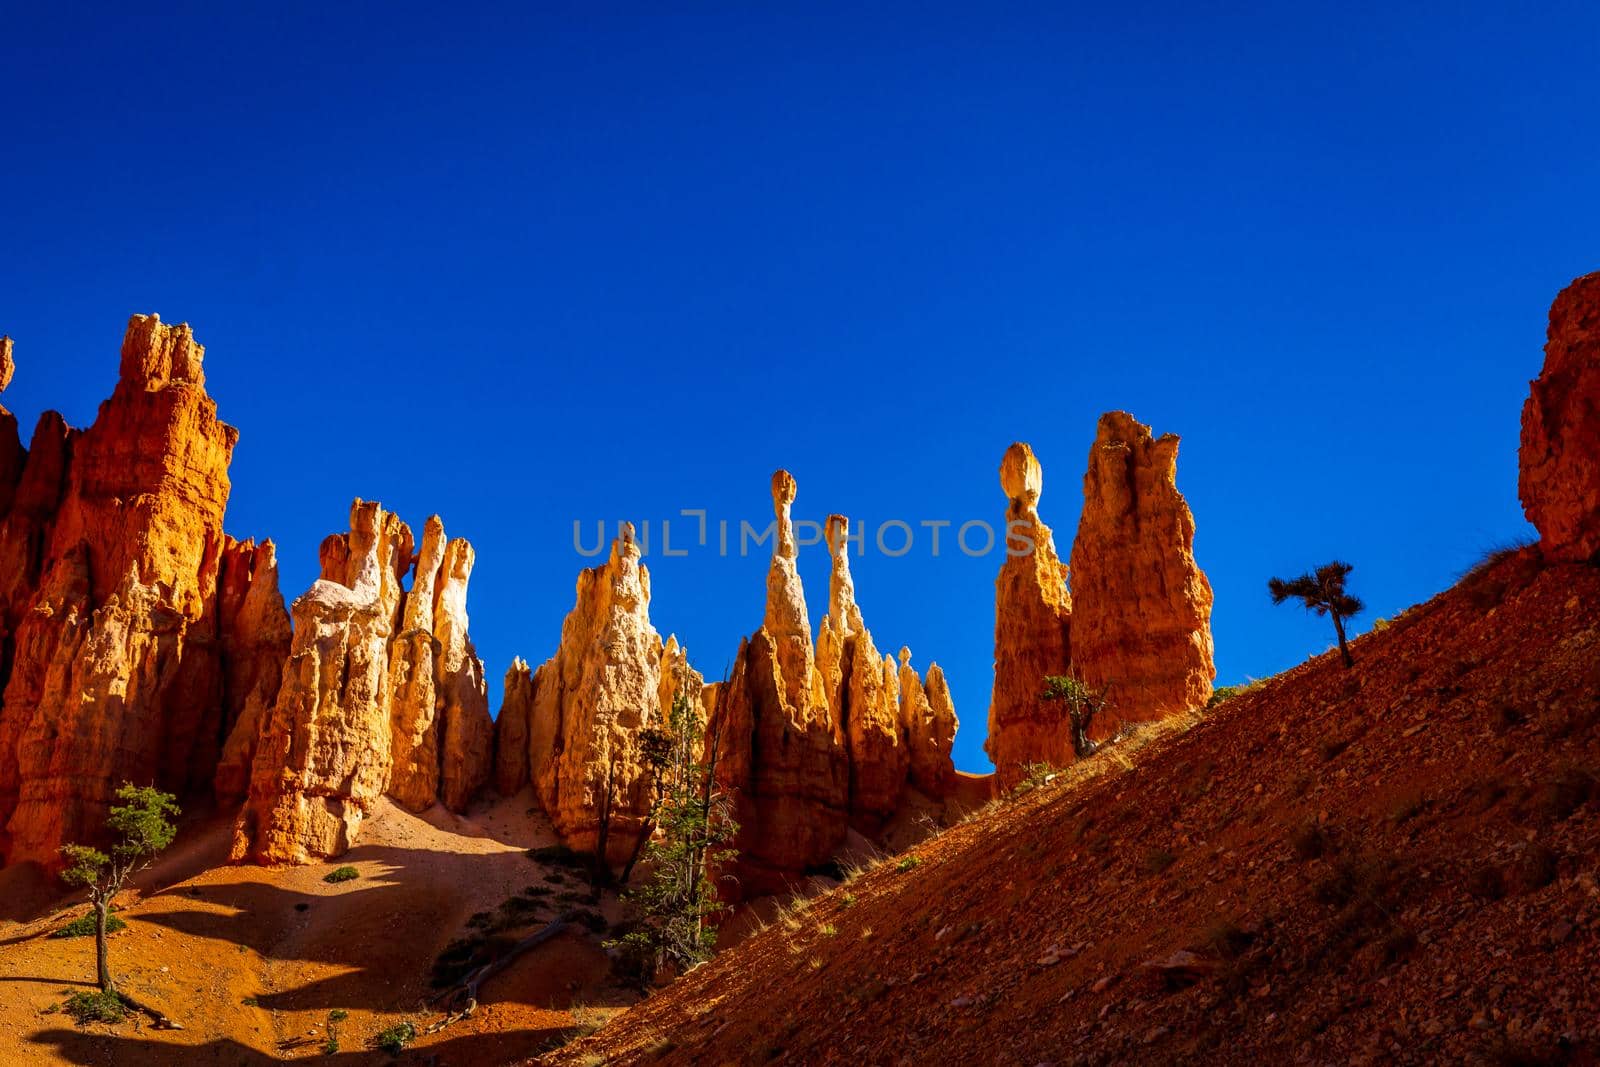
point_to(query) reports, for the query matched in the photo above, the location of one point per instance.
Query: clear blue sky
(522, 267)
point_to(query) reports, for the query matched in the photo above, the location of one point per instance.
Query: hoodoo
(818, 740)
(134, 631)
(1135, 621)
(782, 751)
(1560, 459)
(1032, 622)
(1141, 621)
(382, 694)
(573, 727)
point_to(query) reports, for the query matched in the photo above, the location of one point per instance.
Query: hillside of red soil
(1392, 863)
(251, 960)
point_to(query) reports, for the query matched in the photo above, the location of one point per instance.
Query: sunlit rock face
(1032, 627)
(575, 727)
(382, 693)
(122, 657)
(1141, 622)
(1135, 619)
(1560, 459)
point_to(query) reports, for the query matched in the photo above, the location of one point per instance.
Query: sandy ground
(251, 960)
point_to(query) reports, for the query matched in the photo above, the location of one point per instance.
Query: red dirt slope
(251, 960)
(1395, 863)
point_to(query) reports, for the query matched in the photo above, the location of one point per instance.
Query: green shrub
(96, 1007)
(907, 863)
(396, 1038)
(342, 874)
(84, 926)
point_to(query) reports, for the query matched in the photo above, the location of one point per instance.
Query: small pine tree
(1323, 592)
(1083, 703)
(693, 817)
(143, 826)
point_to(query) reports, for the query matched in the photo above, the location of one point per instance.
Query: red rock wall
(1560, 458)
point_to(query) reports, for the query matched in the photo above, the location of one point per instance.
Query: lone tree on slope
(142, 825)
(1083, 703)
(1323, 592)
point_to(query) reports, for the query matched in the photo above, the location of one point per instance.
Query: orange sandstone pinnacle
(1032, 626)
(1137, 619)
(382, 694)
(123, 599)
(573, 727)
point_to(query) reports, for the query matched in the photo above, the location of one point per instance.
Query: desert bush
(341, 874)
(83, 926)
(101, 1006)
(1034, 776)
(1228, 692)
(335, 1017)
(1486, 588)
(907, 863)
(396, 1038)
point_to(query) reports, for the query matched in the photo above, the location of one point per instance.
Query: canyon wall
(382, 694)
(133, 632)
(1560, 458)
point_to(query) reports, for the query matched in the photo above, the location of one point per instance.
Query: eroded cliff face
(1560, 459)
(1136, 622)
(1141, 624)
(573, 727)
(119, 594)
(1032, 625)
(382, 693)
